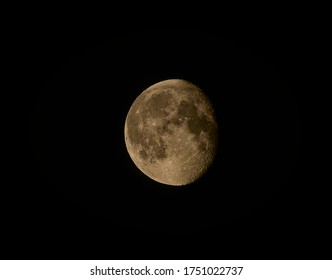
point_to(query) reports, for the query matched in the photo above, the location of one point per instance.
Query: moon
(171, 132)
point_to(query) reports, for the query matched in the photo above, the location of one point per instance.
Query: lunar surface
(171, 132)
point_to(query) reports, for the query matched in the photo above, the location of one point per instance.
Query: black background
(78, 195)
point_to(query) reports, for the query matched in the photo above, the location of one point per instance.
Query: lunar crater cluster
(171, 132)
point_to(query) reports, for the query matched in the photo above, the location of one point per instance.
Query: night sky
(84, 198)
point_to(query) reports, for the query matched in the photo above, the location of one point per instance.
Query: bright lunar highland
(171, 133)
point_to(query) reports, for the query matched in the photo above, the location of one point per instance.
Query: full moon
(171, 132)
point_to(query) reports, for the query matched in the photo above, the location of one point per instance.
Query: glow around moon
(171, 132)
